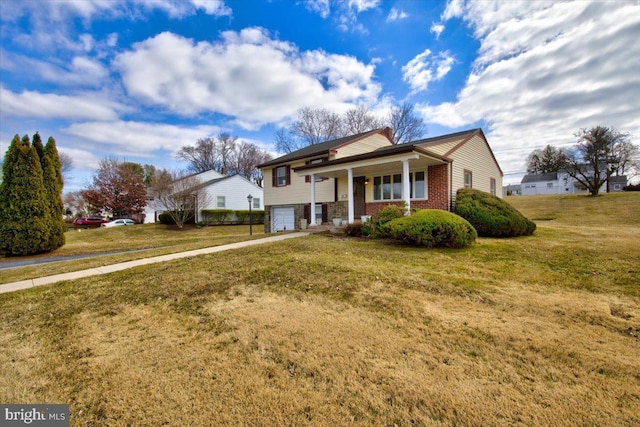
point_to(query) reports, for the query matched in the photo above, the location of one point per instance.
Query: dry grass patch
(331, 331)
(140, 241)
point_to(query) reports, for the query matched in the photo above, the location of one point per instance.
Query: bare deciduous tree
(178, 194)
(359, 120)
(226, 155)
(66, 166)
(597, 155)
(405, 124)
(247, 158)
(319, 125)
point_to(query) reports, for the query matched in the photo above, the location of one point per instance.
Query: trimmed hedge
(432, 228)
(229, 216)
(492, 216)
(382, 217)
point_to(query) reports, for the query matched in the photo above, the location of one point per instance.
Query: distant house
(358, 175)
(512, 190)
(220, 192)
(562, 183)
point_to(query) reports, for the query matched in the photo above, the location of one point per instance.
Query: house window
(468, 179)
(282, 176)
(318, 210)
(389, 187)
(492, 185)
(256, 203)
(220, 202)
(418, 185)
(549, 184)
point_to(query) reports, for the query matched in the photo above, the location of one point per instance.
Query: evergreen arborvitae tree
(24, 226)
(47, 176)
(52, 174)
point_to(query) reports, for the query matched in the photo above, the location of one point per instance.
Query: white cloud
(93, 106)
(544, 71)
(362, 5)
(128, 138)
(321, 7)
(422, 70)
(396, 15)
(437, 29)
(213, 7)
(247, 75)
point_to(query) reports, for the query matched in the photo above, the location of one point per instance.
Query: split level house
(354, 177)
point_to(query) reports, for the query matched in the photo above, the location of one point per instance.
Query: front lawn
(327, 330)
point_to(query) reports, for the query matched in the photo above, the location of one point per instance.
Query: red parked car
(86, 222)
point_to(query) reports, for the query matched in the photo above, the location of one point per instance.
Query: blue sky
(138, 79)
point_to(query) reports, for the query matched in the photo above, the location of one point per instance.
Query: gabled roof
(465, 135)
(316, 150)
(539, 177)
(380, 152)
(436, 140)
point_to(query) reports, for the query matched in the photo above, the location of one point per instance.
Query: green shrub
(166, 218)
(382, 217)
(492, 216)
(216, 216)
(432, 228)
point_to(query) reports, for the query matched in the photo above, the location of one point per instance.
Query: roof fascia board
(305, 170)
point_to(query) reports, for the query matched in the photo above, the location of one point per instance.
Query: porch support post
(350, 195)
(406, 185)
(312, 214)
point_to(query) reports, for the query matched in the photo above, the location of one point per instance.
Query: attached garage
(282, 218)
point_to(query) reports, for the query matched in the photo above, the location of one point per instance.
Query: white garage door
(282, 219)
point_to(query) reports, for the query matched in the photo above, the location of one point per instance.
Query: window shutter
(307, 178)
(274, 172)
(305, 213)
(325, 213)
(288, 175)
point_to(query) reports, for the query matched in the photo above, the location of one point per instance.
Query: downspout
(451, 187)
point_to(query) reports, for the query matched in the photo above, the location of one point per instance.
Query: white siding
(474, 155)
(235, 190)
(362, 146)
(298, 191)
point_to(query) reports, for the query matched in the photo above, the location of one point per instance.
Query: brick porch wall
(438, 183)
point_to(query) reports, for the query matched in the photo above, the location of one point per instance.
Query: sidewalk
(30, 283)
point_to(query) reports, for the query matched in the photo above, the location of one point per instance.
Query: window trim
(464, 178)
(256, 203)
(287, 176)
(493, 186)
(224, 202)
(412, 176)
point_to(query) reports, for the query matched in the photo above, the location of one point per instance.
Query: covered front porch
(403, 175)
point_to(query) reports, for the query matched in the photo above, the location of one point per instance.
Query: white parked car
(117, 223)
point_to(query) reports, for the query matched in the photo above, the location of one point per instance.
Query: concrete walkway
(30, 283)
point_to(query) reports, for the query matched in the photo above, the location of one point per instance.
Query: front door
(358, 197)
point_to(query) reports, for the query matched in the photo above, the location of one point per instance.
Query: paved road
(30, 283)
(5, 265)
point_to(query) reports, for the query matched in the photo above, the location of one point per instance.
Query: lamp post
(250, 199)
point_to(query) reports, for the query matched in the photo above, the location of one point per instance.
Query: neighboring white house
(220, 192)
(230, 192)
(562, 183)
